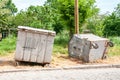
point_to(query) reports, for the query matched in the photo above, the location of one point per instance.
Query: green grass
(60, 49)
(115, 40)
(7, 45)
(114, 51)
(60, 46)
(62, 40)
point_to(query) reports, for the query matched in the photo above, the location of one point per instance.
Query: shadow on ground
(19, 63)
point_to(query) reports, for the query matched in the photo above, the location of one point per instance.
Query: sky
(24, 4)
(107, 5)
(104, 5)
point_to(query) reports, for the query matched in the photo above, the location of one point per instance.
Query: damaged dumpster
(88, 47)
(34, 45)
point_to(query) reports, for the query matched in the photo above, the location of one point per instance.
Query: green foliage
(61, 43)
(105, 25)
(65, 9)
(56, 15)
(115, 40)
(62, 39)
(35, 16)
(3, 10)
(58, 49)
(11, 6)
(96, 24)
(7, 45)
(7, 11)
(112, 23)
(114, 51)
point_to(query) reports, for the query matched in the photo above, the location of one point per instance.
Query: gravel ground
(79, 74)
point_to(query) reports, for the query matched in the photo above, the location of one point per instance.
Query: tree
(11, 6)
(35, 16)
(7, 9)
(112, 23)
(65, 9)
(56, 15)
(96, 24)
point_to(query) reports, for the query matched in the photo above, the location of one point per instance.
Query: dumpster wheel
(104, 57)
(110, 44)
(17, 63)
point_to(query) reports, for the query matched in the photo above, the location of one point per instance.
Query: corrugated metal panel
(34, 45)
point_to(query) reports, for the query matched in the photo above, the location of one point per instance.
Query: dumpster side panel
(34, 45)
(76, 47)
(79, 47)
(70, 49)
(27, 47)
(41, 48)
(86, 50)
(49, 46)
(34, 54)
(96, 54)
(20, 44)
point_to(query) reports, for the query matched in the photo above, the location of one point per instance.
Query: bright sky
(24, 4)
(107, 5)
(104, 5)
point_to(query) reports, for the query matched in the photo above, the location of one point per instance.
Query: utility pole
(76, 14)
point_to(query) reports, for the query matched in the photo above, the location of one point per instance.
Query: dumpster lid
(90, 37)
(36, 30)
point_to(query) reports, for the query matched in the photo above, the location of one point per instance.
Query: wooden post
(76, 12)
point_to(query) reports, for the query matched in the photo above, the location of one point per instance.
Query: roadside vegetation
(58, 15)
(114, 51)
(7, 45)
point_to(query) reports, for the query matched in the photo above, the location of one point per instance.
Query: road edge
(65, 68)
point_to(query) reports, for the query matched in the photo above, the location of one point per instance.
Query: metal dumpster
(34, 45)
(88, 47)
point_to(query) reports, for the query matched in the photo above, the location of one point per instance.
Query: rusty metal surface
(88, 47)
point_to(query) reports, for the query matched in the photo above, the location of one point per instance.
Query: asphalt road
(79, 74)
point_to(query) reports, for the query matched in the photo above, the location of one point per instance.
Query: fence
(5, 32)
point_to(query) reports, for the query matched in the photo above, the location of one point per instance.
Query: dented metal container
(34, 45)
(88, 47)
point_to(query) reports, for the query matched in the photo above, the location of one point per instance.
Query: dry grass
(58, 61)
